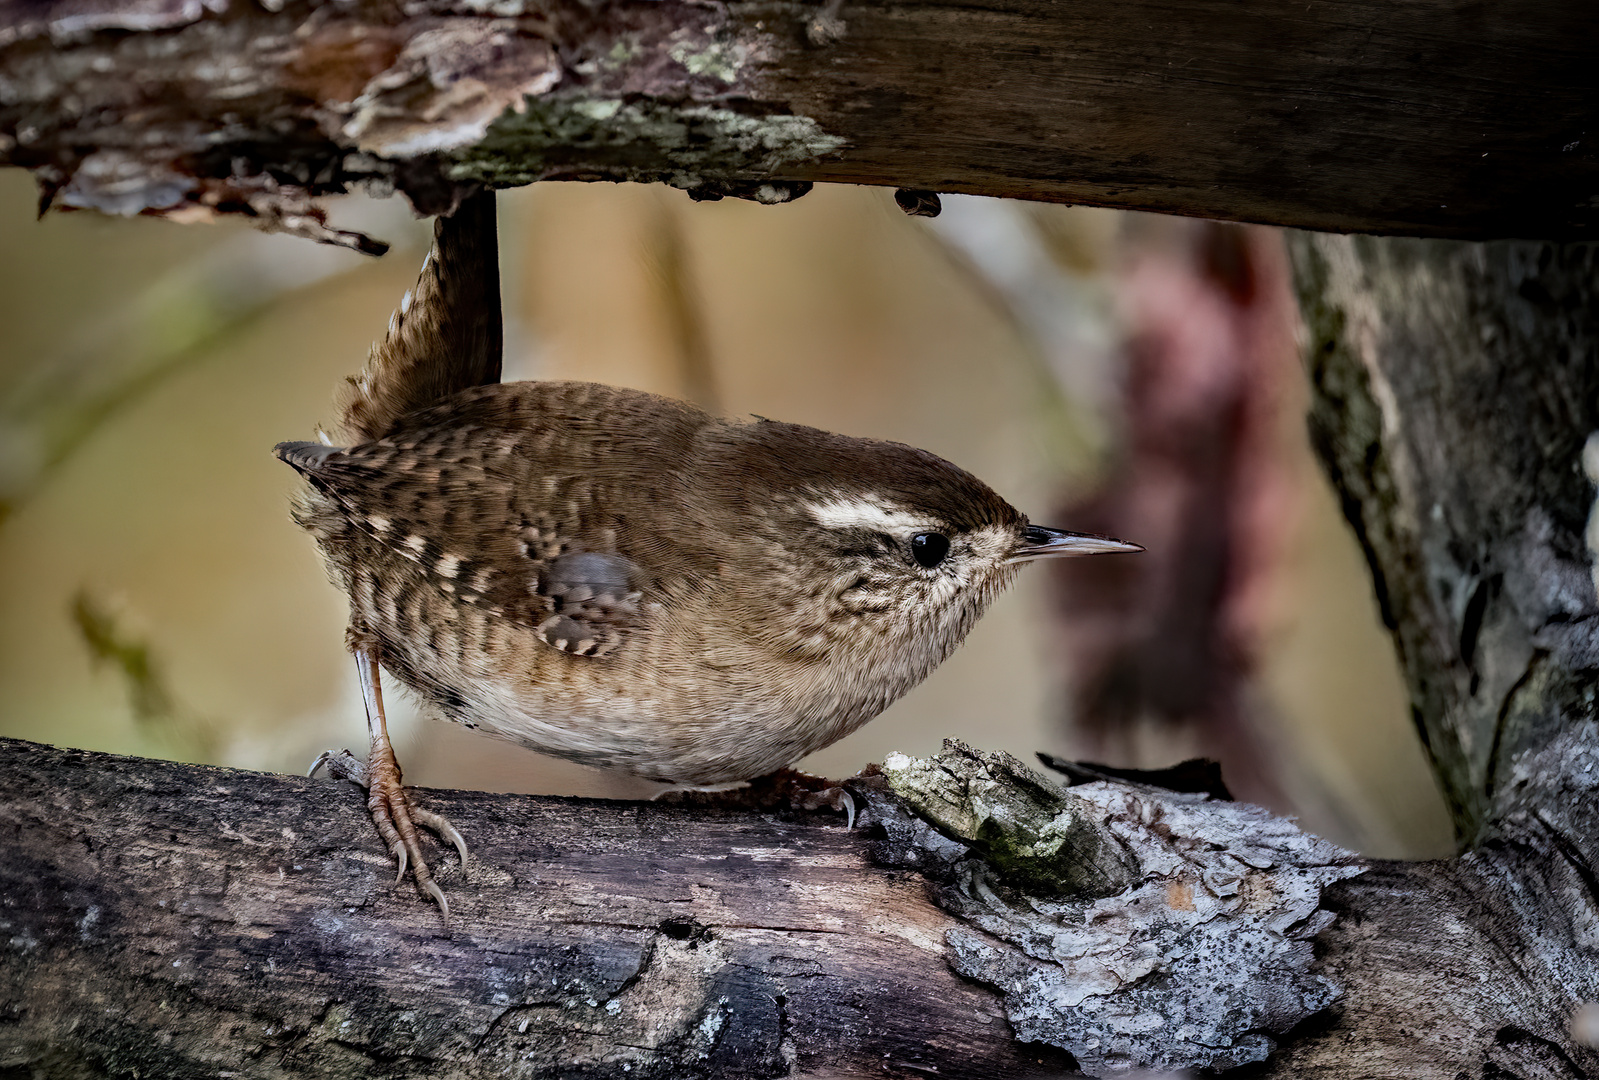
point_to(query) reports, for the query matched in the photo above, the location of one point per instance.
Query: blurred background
(1104, 371)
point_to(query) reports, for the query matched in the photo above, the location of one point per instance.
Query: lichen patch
(697, 142)
(1201, 962)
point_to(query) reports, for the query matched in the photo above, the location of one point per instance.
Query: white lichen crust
(1201, 964)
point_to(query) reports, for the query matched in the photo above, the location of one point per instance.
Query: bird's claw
(396, 816)
(833, 798)
(441, 825)
(341, 765)
(433, 890)
(398, 850)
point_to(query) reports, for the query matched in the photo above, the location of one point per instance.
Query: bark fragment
(1201, 961)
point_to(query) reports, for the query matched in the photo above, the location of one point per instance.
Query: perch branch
(182, 921)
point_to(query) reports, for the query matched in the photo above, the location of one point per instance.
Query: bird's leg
(392, 810)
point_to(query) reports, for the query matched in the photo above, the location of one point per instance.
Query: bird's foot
(395, 814)
(836, 797)
(803, 791)
(785, 789)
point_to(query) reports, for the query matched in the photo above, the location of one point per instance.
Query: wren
(622, 579)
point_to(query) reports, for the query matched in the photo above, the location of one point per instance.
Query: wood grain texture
(179, 921)
(1347, 117)
(1437, 117)
(175, 921)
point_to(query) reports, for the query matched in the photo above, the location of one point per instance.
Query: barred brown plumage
(623, 579)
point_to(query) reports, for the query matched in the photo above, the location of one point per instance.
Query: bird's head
(877, 544)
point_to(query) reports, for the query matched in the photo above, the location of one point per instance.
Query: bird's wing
(446, 335)
(466, 518)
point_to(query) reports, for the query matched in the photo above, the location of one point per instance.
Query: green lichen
(597, 109)
(1041, 839)
(567, 134)
(719, 60)
(622, 52)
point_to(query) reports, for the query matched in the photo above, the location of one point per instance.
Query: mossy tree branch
(1441, 118)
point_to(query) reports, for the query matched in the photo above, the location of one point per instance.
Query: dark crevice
(1471, 622)
(1511, 1036)
(1501, 719)
(684, 929)
(1575, 857)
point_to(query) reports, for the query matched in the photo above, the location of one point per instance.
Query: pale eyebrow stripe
(843, 512)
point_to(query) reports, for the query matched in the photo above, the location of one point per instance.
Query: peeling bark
(182, 921)
(1190, 949)
(1443, 118)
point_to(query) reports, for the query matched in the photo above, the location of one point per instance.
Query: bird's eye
(929, 549)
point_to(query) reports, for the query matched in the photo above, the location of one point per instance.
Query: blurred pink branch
(1172, 638)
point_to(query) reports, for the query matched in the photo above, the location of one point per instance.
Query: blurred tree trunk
(1163, 650)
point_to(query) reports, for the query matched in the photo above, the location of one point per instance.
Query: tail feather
(306, 457)
(447, 334)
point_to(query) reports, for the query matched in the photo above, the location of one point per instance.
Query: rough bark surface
(1455, 388)
(1190, 950)
(1443, 117)
(181, 921)
(1472, 967)
(177, 921)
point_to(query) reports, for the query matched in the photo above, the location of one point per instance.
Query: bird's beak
(1040, 543)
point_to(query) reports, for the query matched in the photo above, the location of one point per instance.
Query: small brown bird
(622, 579)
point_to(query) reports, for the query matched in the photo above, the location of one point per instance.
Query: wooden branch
(1440, 118)
(191, 922)
(180, 921)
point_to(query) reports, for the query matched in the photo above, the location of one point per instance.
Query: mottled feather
(446, 335)
(623, 579)
(508, 498)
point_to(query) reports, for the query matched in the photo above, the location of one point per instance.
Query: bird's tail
(306, 457)
(446, 335)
